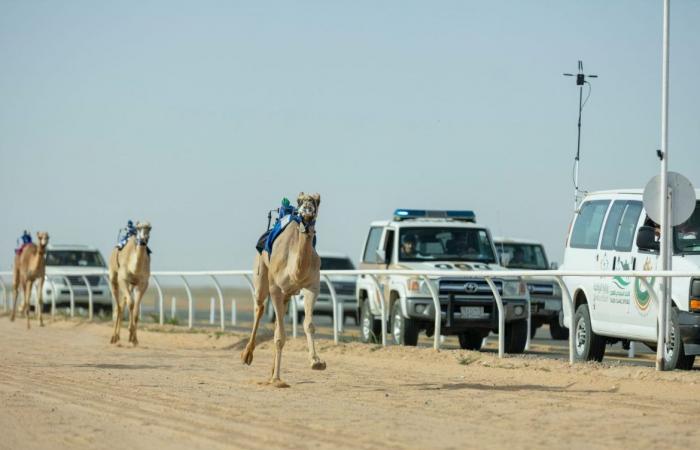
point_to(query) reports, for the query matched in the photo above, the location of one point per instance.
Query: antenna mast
(580, 81)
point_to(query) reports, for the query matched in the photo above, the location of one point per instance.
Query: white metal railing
(487, 275)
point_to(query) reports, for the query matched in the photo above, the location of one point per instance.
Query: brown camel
(129, 272)
(294, 266)
(30, 266)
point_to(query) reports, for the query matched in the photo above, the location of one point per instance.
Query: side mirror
(554, 265)
(381, 256)
(646, 239)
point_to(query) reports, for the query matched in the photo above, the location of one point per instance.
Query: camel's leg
(261, 287)
(130, 309)
(310, 295)
(120, 294)
(138, 295)
(27, 296)
(40, 300)
(278, 303)
(15, 295)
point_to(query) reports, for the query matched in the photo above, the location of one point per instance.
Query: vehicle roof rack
(459, 215)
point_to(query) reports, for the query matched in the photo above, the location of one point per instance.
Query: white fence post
(53, 298)
(566, 297)
(334, 301)
(293, 310)
(233, 312)
(438, 312)
(382, 307)
(72, 296)
(528, 300)
(161, 314)
(4, 294)
(501, 317)
(190, 305)
(660, 350)
(211, 311)
(173, 307)
(631, 351)
(89, 289)
(220, 294)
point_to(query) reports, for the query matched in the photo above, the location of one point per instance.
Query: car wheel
(471, 340)
(516, 336)
(674, 356)
(557, 331)
(370, 328)
(404, 331)
(588, 346)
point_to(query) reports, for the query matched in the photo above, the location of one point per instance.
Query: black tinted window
(336, 264)
(588, 224)
(373, 238)
(445, 244)
(74, 258)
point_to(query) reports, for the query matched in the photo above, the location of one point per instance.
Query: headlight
(513, 288)
(415, 285)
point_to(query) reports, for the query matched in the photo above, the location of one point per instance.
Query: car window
(328, 263)
(686, 236)
(612, 224)
(625, 236)
(522, 256)
(370, 256)
(445, 244)
(588, 224)
(74, 258)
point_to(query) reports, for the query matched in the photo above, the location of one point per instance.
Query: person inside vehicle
(408, 246)
(518, 257)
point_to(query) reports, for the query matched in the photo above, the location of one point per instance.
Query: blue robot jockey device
(286, 214)
(26, 239)
(125, 234)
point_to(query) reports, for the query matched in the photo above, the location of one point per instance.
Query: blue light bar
(462, 215)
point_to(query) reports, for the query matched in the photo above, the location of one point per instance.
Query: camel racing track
(63, 386)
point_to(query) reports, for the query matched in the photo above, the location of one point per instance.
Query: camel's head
(42, 238)
(143, 233)
(308, 206)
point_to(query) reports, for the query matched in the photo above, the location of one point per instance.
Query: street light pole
(580, 81)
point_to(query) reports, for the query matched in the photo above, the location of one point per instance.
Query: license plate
(472, 312)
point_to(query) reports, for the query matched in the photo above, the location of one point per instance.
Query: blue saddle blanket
(269, 237)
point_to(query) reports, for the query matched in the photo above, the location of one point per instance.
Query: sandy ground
(64, 386)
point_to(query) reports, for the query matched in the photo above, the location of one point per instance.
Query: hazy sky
(201, 116)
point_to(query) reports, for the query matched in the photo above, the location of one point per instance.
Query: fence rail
(487, 275)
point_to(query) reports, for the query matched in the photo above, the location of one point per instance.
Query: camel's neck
(138, 259)
(37, 258)
(304, 252)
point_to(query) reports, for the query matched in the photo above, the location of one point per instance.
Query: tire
(404, 331)
(557, 331)
(588, 346)
(471, 340)
(674, 356)
(370, 328)
(516, 336)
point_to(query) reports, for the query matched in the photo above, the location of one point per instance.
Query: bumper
(100, 295)
(463, 314)
(545, 307)
(689, 323)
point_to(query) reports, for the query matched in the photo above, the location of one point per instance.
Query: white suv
(430, 240)
(545, 293)
(74, 261)
(611, 231)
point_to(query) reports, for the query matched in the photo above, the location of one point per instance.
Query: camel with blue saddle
(30, 266)
(129, 274)
(285, 265)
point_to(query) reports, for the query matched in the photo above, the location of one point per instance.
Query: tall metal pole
(665, 239)
(578, 146)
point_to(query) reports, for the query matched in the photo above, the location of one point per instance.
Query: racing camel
(30, 266)
(292, 266)
(129, 272)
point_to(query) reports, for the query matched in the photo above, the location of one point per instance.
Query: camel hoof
(278, 383)
(12, 318)
(135, 342)
(114, 339)
(247, 356)
(318, 365)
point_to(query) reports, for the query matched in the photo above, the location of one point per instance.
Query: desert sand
(65, 387)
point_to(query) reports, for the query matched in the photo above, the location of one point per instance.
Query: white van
(611, 231)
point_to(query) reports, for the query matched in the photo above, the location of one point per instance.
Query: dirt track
(64, 386)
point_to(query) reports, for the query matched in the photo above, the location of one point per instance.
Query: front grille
(467, 287)
(77, 280)
(341, 288)
(541, 288)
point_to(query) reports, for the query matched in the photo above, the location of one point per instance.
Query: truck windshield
(445, 244)
(687, 235)
(522, 256)
(328, 263)
(74, 258)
